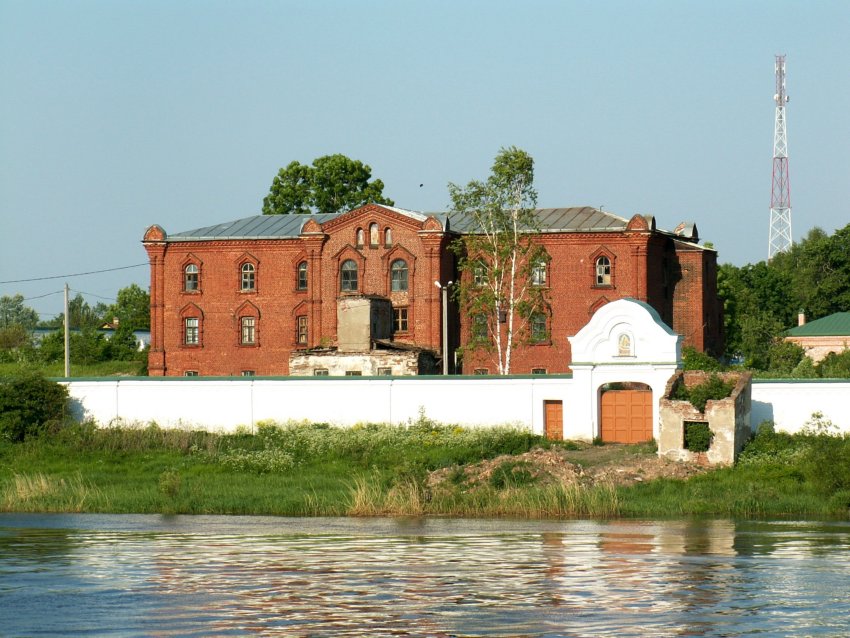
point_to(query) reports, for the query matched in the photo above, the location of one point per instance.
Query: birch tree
(502, 270)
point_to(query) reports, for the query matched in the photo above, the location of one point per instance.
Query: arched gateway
(623, 359)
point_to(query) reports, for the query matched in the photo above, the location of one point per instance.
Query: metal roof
(577, 219)
(837, 324)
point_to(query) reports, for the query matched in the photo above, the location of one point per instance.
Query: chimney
(801, 318)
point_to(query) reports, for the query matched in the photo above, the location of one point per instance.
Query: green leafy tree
(818, 268)
(132, 308)
(13, 312)
(81, 314)
(122, 345)
(498, 260)
(334, 183)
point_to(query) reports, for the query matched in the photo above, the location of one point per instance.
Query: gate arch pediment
(626, 332)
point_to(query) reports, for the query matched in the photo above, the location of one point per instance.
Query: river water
(104, 575)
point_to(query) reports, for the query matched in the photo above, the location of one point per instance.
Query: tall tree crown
(334, 183)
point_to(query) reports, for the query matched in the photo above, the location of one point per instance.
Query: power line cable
(55, 292)
(91, 294)
(76, 274)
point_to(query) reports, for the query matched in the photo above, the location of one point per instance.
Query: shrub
(693, 359)
(835, 366)
(512, 474)
(29, 405)
(712, 389)
(826, 463)
(698, 436)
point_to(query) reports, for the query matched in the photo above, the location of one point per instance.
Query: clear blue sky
(118, 115)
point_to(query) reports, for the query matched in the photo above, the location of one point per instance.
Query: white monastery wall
(224, 404)
(625, 341)
(790, 404)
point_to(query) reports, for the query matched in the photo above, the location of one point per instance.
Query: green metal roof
(837, 324)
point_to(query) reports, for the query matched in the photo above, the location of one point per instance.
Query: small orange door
(626, 416)
(553, 412)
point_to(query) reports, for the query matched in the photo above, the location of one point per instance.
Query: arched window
(348, 276)
(301, 281)
(190, 278)
(603, 271)
(373, 235)
(360, 239)
(388, 237)
(398, 271)
(248, 279)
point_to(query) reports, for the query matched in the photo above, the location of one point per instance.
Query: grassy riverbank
(422, 469)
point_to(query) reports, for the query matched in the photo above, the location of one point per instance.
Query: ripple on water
(235, 576)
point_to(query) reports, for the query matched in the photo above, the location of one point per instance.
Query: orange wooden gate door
(626, 416)
(553, 413)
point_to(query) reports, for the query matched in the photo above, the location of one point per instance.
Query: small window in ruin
(697, 436)
(385, 372)
(320, 372)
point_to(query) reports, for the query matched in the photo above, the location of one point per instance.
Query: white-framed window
(479, 275)
(248, 335)
(249, 280)
(538, 371)
(385, 372)
(320, 372)
(538, 273)
(191, 278)
(190, 373)
(348, 276)
(301, 330)
(603, 271)
(398, 275)
(400, 320)
(191, 331)
(301, 276)
(248, 373)
(354, 373)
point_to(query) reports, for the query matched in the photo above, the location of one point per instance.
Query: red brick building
(240, 297)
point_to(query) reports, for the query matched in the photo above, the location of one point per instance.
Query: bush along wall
(29, 405)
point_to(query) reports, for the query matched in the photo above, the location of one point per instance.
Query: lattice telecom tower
(780, 192)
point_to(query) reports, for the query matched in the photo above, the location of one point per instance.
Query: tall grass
(300, 469)
(41, 493)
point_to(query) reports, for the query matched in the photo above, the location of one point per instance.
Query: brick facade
(229, 304)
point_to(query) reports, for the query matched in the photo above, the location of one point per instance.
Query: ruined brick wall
(728, 419)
